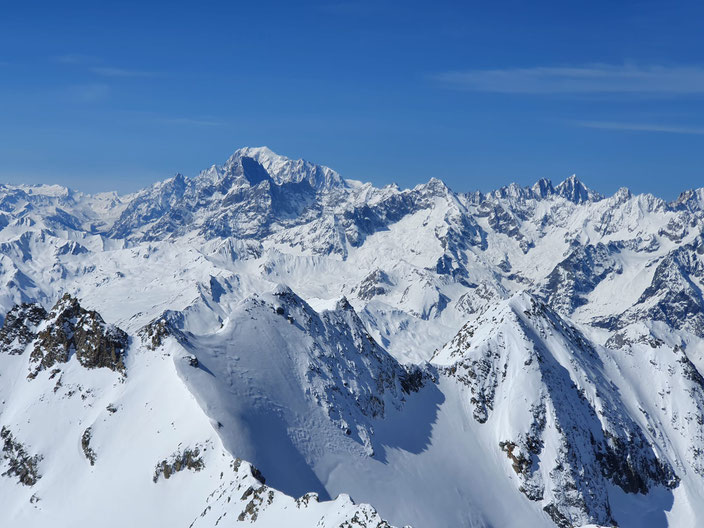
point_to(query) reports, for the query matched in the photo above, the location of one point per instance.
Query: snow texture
(269, 343)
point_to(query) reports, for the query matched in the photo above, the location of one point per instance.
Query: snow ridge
(541, 344)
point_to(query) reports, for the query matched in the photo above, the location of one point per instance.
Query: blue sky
(476, 93)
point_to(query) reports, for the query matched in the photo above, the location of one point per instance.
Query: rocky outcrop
(376, 283)
(88, 451)
(503, 222)
(674, 295)
(189, 458)
(355, 380)
(19, 462)
(20, 326)
(154, 333)
(244, 497)
(575, 191)
(69, 330)
(569, 283)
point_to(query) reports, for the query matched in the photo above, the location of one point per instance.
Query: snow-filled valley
(269, 343)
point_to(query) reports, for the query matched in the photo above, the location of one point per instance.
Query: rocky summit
(269, 343)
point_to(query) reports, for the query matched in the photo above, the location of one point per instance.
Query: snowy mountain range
(269, 343)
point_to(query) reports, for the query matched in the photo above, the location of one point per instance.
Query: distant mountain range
(270, 343)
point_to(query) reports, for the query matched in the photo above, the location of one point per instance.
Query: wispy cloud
(190, 121)
(595, 79)
(89, 93)
(121, 72)
(97, 66)
(640, 127)
(75, 58)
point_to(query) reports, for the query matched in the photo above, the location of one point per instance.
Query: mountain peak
(258, 153)
(286, 170)
(575, 191)
(567, 375)
(436, 186)
(543, 188)
(623, 194)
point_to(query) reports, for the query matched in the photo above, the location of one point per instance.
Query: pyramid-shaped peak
(543, 188)
(575, 191)
(286, 170)
(436, 186)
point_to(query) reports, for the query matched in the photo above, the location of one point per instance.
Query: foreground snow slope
(530, 356)
(131, 450)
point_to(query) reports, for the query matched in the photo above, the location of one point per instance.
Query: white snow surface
(528, 357)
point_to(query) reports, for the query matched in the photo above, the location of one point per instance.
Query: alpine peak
(575, 191)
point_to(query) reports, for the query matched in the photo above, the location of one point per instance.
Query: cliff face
(69, 330)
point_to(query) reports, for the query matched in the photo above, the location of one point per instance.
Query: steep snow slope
(572, 435)
(564, 331)
(318, 406)
(129, 448)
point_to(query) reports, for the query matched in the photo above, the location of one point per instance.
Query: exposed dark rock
(71, 329)
(675, 230)
(557, 517)
(376, 283)
(633, 474)
(306, 499)
(361, 519)
(504, 222)
(154, 333)
(20, 464)
(257, 474)
(256, 497)
(673, 297)
(413, 379)
(237, 463)
(188, 459)
(575, 191)
(620, 340)
(19, 327)
(578, 274)
(85, 445)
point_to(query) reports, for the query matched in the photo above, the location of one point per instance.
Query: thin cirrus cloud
(96, 66)
(640, 127)
(89, 93)
(74, 58)
(121, 72)
(190, 121)
(596, 79)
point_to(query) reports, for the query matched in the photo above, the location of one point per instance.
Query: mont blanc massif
(270, 344)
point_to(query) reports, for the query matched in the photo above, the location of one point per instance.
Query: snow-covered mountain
(270, 343)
